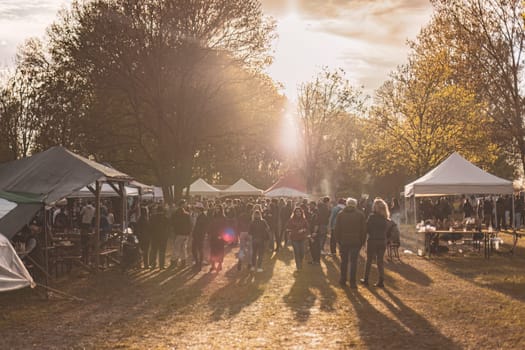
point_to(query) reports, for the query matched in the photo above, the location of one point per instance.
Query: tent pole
(97, 225)
(406, 210)
(46, 251)
(124, 198)
(415, 210)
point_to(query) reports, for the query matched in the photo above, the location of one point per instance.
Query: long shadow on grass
(409, 273)
(242, 289)
(503, 274)
(378, 331)
(309, 283)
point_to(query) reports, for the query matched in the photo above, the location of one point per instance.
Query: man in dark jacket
(350, 231)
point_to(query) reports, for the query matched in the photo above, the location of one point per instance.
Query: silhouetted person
(350, 232)
(376, 229)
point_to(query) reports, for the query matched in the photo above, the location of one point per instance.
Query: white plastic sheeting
(6, 206)
(13, 274)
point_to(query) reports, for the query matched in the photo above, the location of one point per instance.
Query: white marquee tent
(242, 188)
(454, 176)
(201, 188)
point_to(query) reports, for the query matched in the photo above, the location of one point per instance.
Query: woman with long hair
(376, 229)
(216, 230)
(298, 227)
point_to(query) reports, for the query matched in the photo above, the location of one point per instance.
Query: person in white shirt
(87, 213)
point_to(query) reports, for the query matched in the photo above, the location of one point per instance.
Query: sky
(367, 38)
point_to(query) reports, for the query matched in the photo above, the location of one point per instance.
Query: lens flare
(228, 235)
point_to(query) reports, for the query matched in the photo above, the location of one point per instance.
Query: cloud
(369, 36)
(27, 9)
(22, 19)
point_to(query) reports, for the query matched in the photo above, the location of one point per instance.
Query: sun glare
(290, 135)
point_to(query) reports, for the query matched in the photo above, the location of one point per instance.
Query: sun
(290, 141)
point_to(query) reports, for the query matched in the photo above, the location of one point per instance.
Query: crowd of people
(497, 212)
(259, 227)
(200, 231)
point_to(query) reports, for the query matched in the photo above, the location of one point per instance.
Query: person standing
(468, 209)
(199, 232)
(284, 215)
(323, 218)
(487, 212)
(298, 227)
(315, 237)
(245, 244)
(160, 231)
(143, 234)
(518, 209)
(181, 222)
(331, 225)
(376, 229)
(259, 232)
(350, 232)
(87, 213)
(500, 213)
(217, 227)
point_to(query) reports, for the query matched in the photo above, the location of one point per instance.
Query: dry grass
(448, 302)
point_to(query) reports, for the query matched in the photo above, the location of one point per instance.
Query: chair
(393, 251)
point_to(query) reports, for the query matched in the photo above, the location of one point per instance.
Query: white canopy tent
(13, 274)
(201, 188)
(456, 176)
(156, 195)
(286, 192)
(242, 188)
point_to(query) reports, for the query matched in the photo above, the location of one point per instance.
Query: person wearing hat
(350, 232)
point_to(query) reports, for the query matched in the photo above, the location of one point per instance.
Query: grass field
(448, 302)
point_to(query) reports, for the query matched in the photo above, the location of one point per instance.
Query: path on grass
(445, 303)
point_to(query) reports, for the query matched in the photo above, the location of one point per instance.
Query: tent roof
(106, 191)
(242, 188)
(45, 178)
(201, 187)
(143, 187)
(292, 181)
(54, 174)
(285, 192)
(456, 175)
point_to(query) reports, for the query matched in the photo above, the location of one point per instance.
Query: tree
(325, 106)
(485, 39)
(20, 104)
(162, 80)
(420, 116)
